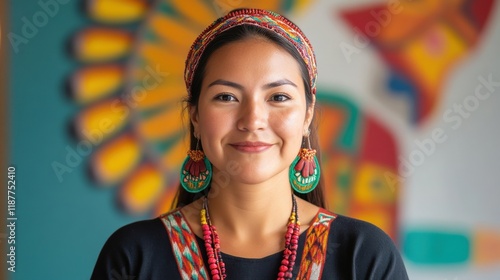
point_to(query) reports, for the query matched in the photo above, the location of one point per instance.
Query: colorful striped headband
(262, 18)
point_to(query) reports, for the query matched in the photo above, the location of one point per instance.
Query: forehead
(252, 58)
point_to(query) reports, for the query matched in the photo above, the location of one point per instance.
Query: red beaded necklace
(216, 264)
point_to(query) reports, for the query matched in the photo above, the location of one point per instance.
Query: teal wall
(61, 226)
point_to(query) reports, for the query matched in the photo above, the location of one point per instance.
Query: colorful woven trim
(262, 18)
(184, 246)
(316, 246)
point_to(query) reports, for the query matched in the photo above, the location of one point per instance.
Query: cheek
(289, 126)
(207, 122)
(213, 124)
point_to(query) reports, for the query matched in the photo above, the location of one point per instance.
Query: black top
(356, 250)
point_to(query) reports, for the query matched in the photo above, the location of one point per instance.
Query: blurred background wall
(408, 94)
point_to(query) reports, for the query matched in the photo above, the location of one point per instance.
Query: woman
(251, 205)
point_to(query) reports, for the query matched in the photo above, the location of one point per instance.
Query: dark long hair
(232, 35)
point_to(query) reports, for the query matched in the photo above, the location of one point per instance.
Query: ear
(309, 115)
(193, 116)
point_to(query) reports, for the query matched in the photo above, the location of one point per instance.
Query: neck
(213, 246)
(246, 211)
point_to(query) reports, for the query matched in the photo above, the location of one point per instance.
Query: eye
(225, 97)
(280, 97)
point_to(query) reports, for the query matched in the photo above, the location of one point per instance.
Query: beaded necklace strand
(212, 244)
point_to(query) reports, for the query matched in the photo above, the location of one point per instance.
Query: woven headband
(262, 18)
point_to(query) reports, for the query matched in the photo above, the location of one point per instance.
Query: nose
(253, 116)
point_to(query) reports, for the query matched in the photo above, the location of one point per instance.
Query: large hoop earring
(196, 171)
(304, 173)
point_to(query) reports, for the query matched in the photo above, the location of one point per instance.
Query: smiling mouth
(251, 147)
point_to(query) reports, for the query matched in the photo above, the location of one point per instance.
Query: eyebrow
(279, 83)
(226, 83)
(240, 87)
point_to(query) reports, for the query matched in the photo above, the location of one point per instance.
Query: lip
(251, 147)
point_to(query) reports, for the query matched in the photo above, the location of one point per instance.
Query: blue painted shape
(399, 84)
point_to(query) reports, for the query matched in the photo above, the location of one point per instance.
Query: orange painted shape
(163, 125)
(166, 199)
(102, 44)
(164, 94)
(432, 54)
(102, 120)
(301, 5)
(173, 159)
(116, 11)
(173, 31)
(95, 82)
(486, 247)
(142, 189)
(463, 26)
(116, 159)
(371, 185)
(222, 7)
(331, 123)
(196, 11)
(392, 24)
(162, 59)
(273, 5)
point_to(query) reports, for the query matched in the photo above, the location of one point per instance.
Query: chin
(251, 172)
(260, 176)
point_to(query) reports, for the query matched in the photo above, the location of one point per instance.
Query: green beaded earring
(196, 171)
(304, 172)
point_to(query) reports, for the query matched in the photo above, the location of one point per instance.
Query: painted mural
(421, 42)
(130, 89)
(143, 129)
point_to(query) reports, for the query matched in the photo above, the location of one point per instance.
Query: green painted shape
(434, 247)
(166, 8)
(150, 35)
(153, 111)
(349, 138)
(163, 146)
(344, 180)
(287, 5)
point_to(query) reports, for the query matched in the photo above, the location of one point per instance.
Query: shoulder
(358, 230)
(365, 249)
(350, 231)
(133, 249)
(138, 234)
(353, 234)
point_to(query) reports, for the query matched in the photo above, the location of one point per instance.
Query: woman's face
(252, 111)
